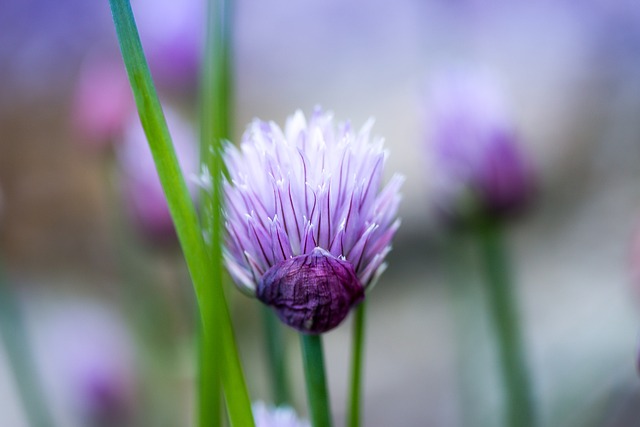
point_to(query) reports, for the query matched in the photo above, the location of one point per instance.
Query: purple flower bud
(478, 165)
(308, 222)
(311, 293)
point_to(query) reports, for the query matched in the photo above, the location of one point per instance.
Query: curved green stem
(506, 323)
(317, 395)
(354, 415)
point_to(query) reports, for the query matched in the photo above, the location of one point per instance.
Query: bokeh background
(92, 284)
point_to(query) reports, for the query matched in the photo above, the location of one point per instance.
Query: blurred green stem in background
(519, 410)
(147, 306)
(314, 372)
(276, 345)
(204, 267)
(215, 128)
(20, 357)
(354, 413)
(466, 308)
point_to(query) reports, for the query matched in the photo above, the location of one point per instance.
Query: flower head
(479, 168)
(308, 223)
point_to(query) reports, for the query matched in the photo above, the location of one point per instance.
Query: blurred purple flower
(102, 101)
(88, 361)
(308, 223)
(143, 193)
(478, 166)
(282, 416)
(172, 33)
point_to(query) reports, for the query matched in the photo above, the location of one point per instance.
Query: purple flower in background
(87, 361)
(308, 223)
(172, 33)
(478, 166)
(102, 101)
(143, 193)
(282, 416)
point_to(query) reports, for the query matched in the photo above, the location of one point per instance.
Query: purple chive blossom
(282, 416)
(308, 222)
(478, 166)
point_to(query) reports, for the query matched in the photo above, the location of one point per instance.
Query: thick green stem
(506, 323)
(317, 395)
(19, 355)
(205, 268)
(354, 416)
(275, 343)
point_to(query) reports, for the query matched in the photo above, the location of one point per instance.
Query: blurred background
(104, 293)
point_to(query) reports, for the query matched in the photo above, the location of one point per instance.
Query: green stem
(14, 337)
(506, 323)
(317, 395)
(467, 314)
(204, 269)
(215, 127)
(277, 356)
(210, 391)
(355, 406)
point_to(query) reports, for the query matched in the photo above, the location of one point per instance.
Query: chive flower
(479, 167)
(308, 222)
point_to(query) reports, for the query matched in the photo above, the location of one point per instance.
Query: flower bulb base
(312, 293)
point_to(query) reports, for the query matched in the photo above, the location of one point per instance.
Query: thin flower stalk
(314, 372)
(354, 415)
(517, 388)
(215, 126)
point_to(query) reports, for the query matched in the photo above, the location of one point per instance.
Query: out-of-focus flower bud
(478, 166)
